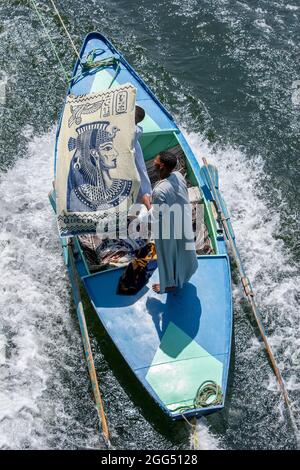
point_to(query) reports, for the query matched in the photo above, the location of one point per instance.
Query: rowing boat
(178, 345)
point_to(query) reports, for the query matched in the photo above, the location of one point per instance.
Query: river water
(229, 72)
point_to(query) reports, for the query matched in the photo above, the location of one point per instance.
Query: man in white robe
(176, 255)
(144, 195)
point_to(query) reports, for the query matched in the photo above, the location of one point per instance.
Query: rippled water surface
(228, 72)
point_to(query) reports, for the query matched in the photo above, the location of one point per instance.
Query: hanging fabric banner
(96, 173)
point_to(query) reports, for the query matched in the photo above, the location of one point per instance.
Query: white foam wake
(204, 439)
(40, 347)
(269, 265)
(38, 339)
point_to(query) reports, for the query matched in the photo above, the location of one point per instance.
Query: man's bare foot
(156, 288)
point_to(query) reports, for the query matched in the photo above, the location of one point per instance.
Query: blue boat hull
(172, 342)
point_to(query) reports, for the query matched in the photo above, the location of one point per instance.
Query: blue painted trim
(226, 373)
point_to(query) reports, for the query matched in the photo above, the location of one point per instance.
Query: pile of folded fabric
(103, 252)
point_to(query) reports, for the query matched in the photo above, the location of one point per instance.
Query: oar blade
(213, 170)
(210, 176)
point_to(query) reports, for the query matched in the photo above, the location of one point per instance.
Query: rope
(50, 40)
(194, 435)
(90, 64)
(67, 32)
(194, 439)
(205, 392)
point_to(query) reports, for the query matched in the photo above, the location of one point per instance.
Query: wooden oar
(249, 294)
(87, 346)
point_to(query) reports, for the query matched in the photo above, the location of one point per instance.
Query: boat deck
(173, 342)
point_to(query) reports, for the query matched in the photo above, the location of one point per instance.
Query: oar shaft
(250, 297)
(247, 288)
(87, 347)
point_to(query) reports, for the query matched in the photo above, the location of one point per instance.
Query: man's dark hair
(169, 160)
(139, 114)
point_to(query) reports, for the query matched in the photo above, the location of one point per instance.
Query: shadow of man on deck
(183, 309)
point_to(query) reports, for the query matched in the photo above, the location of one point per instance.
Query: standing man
(144, 195)
(176, 255)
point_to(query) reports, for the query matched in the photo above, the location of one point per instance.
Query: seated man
(144, 195)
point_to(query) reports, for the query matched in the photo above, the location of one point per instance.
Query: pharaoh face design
(90, 185)
(105, 156)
